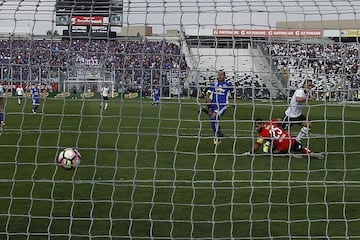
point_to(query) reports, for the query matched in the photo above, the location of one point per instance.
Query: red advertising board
(268, 33)
(87, 21)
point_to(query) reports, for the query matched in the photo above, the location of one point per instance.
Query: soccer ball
(69, 158)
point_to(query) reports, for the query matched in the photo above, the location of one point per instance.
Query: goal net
(154, 165)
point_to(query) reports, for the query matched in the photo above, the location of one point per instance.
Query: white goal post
(88, 77)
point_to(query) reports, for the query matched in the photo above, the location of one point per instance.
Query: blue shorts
(219, 109)
(36, 101)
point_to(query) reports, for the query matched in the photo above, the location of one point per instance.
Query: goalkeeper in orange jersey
(276, 140)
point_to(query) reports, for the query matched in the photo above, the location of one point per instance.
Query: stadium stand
(238, 65)
(327, 64)
(137, 61)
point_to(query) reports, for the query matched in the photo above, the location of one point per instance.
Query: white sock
(304, 132)
(106, 104)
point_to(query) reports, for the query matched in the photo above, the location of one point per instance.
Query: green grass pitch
(153, 172)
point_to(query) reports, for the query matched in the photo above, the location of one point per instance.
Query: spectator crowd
(334, 67)
(140, 63)
(134, 62)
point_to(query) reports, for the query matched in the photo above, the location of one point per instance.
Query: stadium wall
(323, 24)
(136, 31)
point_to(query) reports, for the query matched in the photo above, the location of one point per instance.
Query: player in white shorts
(105, 97)
(294, 114)
(19, 93)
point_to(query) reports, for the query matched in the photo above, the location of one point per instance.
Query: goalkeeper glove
(266, 147)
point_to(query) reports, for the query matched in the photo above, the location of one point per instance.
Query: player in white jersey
(294, 114)
(105, 97)
(19, 93)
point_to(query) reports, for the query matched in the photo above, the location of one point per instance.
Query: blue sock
(214, 124)
(1, 116)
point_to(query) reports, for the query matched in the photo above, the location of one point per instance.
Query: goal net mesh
(151, 170)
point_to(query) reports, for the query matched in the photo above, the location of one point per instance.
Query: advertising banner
(350, 33)
(87, 21)
(268, 33)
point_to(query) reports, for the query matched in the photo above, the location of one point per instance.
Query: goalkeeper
(275, 139)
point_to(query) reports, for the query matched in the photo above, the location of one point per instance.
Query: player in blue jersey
(2, 90)
(156, 96)
(220, 92)
(2, 113)
(35, 93)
